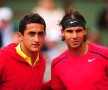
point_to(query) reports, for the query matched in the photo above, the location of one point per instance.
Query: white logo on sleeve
(91, 60)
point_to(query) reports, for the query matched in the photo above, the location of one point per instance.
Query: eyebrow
(36, 32)
(72, 30)
(69, 30)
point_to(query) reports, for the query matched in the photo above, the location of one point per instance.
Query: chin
(75, 46)
(35, 50)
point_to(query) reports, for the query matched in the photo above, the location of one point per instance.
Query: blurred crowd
(52, 14)
(7, 28)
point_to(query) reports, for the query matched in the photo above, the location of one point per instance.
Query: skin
(32, 39)
(74, 37)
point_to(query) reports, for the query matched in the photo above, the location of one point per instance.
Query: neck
(82, 50)
(29, 53)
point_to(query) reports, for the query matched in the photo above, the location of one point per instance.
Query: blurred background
(89, 8)
(94, 11)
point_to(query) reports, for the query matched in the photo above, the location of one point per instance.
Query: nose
(74, 35)
(36, 39)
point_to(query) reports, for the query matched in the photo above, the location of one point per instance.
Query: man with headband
(83, 66)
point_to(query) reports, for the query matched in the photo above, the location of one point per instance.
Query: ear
(62, 32)
(45, 34)
(86, 29)
(20, 36)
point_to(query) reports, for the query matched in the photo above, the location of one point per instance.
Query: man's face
(33, 38)
(74, 36)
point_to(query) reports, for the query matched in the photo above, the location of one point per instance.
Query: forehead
(74, 28)
(34, 27)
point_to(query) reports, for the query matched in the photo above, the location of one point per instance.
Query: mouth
(75, 42)
(35, 45)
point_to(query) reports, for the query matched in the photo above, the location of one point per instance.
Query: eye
(40, 34)
(79, 30)
(32, 33)
(69, 31)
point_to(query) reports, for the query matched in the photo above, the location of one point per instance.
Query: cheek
(67, 39)
(67, 35)
(42, 41)
(81, 35)
(27, 40)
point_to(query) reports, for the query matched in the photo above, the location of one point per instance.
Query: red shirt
(17, 74)
(87, 72)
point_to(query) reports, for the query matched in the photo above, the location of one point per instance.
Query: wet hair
(72, 18)
(30, 18)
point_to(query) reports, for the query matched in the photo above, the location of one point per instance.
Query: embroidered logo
(73, 22)
(91, 60)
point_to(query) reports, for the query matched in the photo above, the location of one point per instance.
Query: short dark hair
(30, 18)
(72, 14)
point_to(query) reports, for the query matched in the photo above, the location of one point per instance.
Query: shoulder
(59, 59)
(2, 58)
(10, 46)
(98, 49)
(4, 52)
